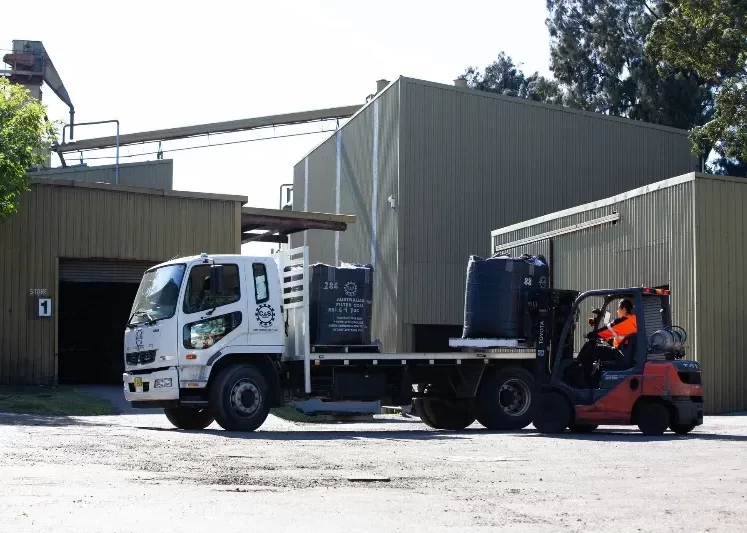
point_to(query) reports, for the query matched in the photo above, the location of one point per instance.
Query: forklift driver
(618, 331)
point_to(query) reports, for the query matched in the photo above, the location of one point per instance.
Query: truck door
(209, 322)
(265, 316)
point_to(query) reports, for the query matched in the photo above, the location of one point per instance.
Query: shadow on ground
(15, 419)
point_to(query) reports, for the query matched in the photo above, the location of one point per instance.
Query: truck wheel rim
(514, 397)
(245, 398)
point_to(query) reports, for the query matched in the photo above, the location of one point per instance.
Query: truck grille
(141, 358)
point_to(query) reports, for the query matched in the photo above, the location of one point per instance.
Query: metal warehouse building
(73, 257)
(430, 170)
(686, 233)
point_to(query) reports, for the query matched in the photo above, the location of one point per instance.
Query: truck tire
(504, 399)
(440, 414)
(239, 398)
(652, 418)
(554, 413)
(187, 418)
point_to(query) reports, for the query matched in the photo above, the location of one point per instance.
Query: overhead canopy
(274, 225)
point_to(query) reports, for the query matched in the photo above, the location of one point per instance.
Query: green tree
(25, 138)
(597, 53)
(710, 37)
(503, 76)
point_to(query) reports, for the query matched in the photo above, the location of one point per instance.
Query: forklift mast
(547, 314)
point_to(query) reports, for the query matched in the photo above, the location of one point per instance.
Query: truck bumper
(688, 412)
(142, 387)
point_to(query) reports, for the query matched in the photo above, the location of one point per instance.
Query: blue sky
(160, 64)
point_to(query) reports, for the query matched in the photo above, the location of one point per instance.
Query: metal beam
(212, 128)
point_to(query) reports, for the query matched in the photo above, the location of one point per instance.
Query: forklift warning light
(661, 292)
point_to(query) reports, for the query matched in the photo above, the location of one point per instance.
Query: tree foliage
(25, 138)
(503, 76)
(597, 52)
(600, 56)
(710, 37)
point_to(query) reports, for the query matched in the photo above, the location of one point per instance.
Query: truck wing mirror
(216, 279)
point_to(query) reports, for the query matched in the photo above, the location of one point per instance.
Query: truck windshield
(157, 295)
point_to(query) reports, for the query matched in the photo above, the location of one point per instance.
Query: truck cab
(189, 318)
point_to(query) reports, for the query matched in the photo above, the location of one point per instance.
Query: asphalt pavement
(133, 472)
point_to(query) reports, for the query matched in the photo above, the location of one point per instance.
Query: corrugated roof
(664, 184)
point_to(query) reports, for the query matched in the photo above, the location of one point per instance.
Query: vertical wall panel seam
(375, 184)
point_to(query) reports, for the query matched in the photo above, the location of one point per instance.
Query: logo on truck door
(265, 315)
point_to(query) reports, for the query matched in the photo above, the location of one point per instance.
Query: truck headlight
(162, 383)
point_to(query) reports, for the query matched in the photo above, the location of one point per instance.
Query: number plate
(138, 384)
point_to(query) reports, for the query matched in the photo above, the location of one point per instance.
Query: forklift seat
(627, 360)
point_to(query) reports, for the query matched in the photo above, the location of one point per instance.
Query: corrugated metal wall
(355, 171)
(472, 162)
(721, 249)
(467, 163)
(60, 221)
(651, 244)
(151, 174)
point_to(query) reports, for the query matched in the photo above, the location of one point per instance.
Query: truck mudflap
(688, 411)
(160, 385)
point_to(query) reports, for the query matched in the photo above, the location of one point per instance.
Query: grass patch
(65, 401)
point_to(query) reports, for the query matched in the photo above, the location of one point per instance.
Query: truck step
(357, 348)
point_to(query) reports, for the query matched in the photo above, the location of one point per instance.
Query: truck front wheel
(504, 399)
(238, 398)
(187, 418)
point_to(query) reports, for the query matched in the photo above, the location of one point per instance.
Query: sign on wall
(45, 307)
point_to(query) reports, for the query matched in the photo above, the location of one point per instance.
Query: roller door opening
(95, 300)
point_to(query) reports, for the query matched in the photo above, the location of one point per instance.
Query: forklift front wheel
(554, 413)
(652, 418)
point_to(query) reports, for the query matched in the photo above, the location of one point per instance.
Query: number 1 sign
(45, 307)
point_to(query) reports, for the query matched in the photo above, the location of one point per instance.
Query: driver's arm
(604, 332)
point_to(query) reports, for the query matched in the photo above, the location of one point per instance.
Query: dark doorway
(434, 338)
(91, 322)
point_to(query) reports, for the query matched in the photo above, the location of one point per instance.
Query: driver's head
(625, 308)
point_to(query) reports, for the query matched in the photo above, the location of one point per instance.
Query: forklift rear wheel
(582, 428)
(682, 429)
(504, 399)
(239, 398)
(187, 418)
(440, 414)
(652, 419)
(554, 413)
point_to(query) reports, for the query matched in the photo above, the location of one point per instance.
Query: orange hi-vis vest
(619, 329)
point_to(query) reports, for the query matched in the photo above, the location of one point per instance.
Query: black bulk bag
(340, 304)
(492, 300)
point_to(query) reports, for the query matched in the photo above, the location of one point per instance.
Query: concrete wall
(152, 174)
(61, 220)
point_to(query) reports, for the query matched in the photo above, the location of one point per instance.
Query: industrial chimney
(381, 85)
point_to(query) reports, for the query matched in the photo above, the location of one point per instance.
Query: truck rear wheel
(504, 399)
(440, 414)
(239, 398)
(186, 418)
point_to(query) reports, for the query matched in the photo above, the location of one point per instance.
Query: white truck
(226, 337)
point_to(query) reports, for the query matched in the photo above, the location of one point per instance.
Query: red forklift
(647, 383)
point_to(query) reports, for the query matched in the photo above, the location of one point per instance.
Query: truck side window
(261, 287)
(198, 297)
